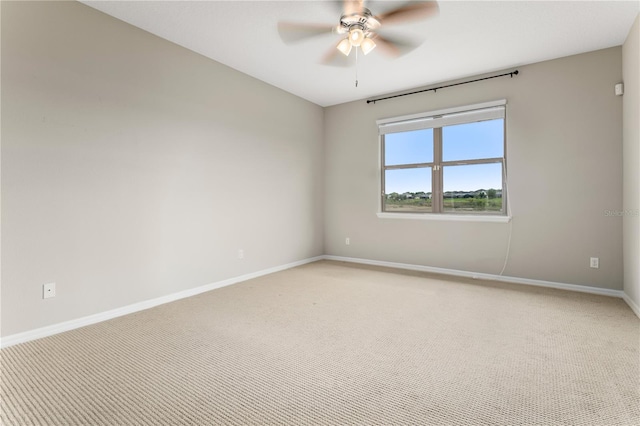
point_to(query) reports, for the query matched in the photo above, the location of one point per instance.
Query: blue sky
(461, 142)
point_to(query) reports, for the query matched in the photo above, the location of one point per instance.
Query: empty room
(320, 212)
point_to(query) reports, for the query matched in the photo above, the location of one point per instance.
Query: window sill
(446, 217)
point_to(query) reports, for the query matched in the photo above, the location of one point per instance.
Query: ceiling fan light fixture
(367, 45)
(356, 35)
(344, 46)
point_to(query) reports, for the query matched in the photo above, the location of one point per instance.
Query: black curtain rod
(434, 89)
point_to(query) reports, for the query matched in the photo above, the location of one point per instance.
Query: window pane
(408, 190)
(483, 139)
(412, 147)
(472, 188)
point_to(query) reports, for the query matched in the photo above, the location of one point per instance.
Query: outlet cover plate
(48, 290)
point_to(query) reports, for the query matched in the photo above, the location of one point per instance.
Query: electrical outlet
(240, 254)
(594, 262)
(48, 290)
(347, 241)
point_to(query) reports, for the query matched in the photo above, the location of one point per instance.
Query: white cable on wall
(510, 213)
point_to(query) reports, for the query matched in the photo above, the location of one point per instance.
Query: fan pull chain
(356, 66)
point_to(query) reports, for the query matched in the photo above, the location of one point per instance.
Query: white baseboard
(50, 330)
(38, 333)
(466, 274)
(634, 307)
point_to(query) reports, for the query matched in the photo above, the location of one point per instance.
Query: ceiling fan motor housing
(363, 20)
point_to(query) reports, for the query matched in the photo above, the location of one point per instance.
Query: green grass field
(450, 205)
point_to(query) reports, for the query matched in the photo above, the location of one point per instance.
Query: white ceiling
(467, 38)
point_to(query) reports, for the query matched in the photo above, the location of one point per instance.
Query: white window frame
(438, 119)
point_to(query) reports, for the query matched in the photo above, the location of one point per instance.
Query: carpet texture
(331, 343)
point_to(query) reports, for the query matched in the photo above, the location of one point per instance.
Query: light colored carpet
(331, 343)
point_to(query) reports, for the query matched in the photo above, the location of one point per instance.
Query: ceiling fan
(360, 28)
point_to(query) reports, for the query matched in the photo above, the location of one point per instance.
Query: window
(450, 161)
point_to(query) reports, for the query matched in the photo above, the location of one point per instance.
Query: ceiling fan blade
(395, 46)
(350, 7)
(410, 11)
(291, 32)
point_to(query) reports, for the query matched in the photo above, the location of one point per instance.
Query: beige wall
(631, 159)
(564, 153)
(133, 168)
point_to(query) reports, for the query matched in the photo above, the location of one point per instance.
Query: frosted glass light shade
(367, 45)
(344, 46)
(356, 36)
